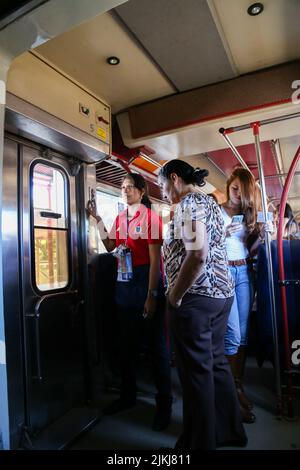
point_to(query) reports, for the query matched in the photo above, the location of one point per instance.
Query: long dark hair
(187, 173)
(249, 195)
(140, 183)
(288, 214)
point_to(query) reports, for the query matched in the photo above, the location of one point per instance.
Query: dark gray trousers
(211, 413)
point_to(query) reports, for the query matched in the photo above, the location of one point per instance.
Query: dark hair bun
(183, 169)
(199, 175)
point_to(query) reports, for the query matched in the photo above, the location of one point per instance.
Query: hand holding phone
(91, 205)
(234, 225)
(237, 219)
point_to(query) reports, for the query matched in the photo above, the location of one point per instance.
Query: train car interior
(89, 92)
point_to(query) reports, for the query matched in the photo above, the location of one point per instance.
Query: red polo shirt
(145, 228)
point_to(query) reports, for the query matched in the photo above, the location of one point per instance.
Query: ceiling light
(255, 9)
(113, 60)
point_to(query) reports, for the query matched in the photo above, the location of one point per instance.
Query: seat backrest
(291, 252)
(103, 275)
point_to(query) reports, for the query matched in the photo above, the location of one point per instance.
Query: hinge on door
(74, 166)
(45, 153)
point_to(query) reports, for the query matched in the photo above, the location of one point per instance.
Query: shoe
(173, 360)
(242, 442)
(247, 416)
(179, 445)
(118, 405)
(243, 399)
(162, 419)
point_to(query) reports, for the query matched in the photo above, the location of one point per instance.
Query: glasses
(129, 187)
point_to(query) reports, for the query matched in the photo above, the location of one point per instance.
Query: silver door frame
(20, 238)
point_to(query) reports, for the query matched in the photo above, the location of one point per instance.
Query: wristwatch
(153, 292)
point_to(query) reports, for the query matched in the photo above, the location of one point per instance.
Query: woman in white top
(240, 214)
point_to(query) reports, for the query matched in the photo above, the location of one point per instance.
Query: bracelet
(153, 293)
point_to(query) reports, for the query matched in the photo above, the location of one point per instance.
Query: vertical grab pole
(255, 127)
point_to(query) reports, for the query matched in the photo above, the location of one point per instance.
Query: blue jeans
(237, 326)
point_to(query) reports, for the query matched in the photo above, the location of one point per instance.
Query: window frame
(68, 228)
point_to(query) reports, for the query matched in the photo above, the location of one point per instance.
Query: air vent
(110, 174)
(113, 174)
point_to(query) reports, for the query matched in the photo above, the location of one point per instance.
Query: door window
(50, 227)
(109, 206)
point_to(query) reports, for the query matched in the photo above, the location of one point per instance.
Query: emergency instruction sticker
(101, 133)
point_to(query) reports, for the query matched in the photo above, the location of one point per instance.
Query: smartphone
(237, 219)
(92, 199)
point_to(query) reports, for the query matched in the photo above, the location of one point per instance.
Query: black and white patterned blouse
(215, 279)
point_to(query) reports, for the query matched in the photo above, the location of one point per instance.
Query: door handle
(50, 215)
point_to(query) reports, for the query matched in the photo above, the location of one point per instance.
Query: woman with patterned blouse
(200, 295)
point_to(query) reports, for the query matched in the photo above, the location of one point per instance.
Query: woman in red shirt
(137, 237)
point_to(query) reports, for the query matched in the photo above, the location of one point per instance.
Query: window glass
(51, 260)
(48, 197)
(108, 206)
(50, 228)
(165, 212)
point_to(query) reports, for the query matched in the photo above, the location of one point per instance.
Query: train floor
(131, 429)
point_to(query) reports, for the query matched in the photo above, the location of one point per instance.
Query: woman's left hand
(149, 307)
(173, 300)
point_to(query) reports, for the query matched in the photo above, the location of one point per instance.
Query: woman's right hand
(233, 228)
(267, 227)
(92, 210)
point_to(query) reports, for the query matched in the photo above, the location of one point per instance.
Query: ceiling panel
(256, 42)
(81, 53)
(182, 37)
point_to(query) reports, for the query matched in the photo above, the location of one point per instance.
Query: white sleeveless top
(236, 243)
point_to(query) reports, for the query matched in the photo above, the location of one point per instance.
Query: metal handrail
(255, 126)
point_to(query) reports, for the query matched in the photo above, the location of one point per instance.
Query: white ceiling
(256, 42)
(81, 53)
(167, 46)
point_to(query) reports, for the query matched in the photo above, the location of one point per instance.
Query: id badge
(125, 272)
(128, 262)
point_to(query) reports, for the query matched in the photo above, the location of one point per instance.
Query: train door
(42, 297)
